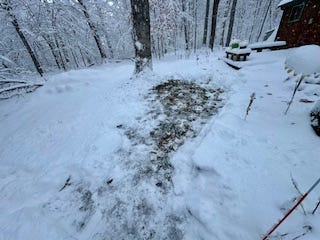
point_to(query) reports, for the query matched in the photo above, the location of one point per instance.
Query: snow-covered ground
(75, 156)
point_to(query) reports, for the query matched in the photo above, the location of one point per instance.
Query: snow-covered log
(18, 89)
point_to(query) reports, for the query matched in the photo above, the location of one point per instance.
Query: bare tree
(185, 25)
(141, 34)
(195, 17)
(225, 15)
(214, 22)
(93, 29)
(206, 19)
(232, 15)
(255, 14)
(5, 5)
(264, 20)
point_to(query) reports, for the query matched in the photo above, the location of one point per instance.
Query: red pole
(285, 216)
(291, 210)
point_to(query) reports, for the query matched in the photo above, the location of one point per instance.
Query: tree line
(50, 35)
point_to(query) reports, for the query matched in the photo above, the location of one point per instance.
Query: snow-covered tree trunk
(206, 20)
(106, 35)
(5, 5)
(141, 34)
(53, 50)
(195, 16)
(264, 20)
(214, 22)
(94, 30)
(230, 28)
(225, 15)
(255, 15)
(185, 26)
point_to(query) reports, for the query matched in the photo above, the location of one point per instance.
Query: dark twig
(252, 98)
(67, 183)
(315, 209)
(295, 184)
(294, 93)
(307, 230)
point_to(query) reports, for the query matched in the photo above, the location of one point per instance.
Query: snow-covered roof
(283, 2)
(273, 35)
(288, 2)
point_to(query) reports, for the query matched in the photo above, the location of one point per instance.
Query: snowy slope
(230, 182)
(239, 171)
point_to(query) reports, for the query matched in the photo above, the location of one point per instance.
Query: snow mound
(305, 60)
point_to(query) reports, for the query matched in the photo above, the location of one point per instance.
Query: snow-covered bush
(235, 43)
(315, 118)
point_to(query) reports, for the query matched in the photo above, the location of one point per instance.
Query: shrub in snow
(304, 60)
(315, 118)
(235, 43)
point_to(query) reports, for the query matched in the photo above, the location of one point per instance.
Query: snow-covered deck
(267, 45)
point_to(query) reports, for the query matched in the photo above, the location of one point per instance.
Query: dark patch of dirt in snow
(136, 207)
(183, 105)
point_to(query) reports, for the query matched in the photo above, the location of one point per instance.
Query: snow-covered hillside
(78, 158)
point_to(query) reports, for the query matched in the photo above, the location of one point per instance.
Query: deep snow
(232, 181)
(304, 60)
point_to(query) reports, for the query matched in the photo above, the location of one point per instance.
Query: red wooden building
(300, 23)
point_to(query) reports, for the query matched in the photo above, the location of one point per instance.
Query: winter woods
(45, 35)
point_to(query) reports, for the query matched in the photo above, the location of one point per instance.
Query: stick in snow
(295, 184)
(294, 93)
(315, 209)
(307, 230)
(252, 98)
(67, 183)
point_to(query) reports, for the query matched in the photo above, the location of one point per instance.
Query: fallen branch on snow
(294, 93)
(315, 209)
(252, 98)
(295, 184)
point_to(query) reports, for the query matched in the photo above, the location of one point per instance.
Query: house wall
(301, 32)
